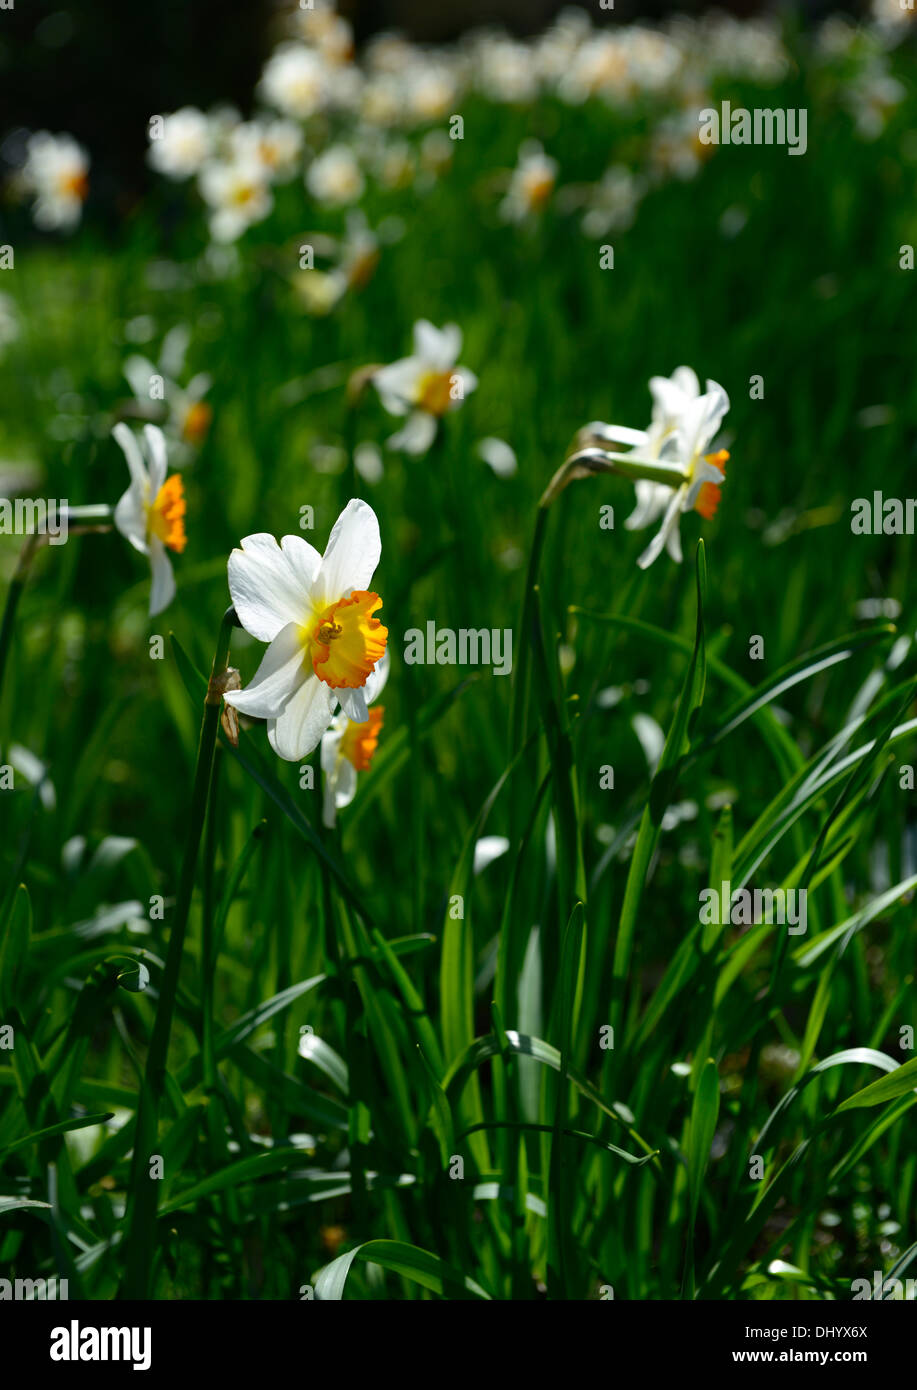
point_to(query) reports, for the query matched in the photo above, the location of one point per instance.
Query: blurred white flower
(327, 31)
(498, 455)
(425, 386)
(683, 424)
(183, 143)
(348, 747)
(56, 171)
(612, 202)
(531, 185)
(238, 194)
(151, 513)
(316, 613)
(430, 92)
(335, 177)
(188, 414)
(276, 145)
(295, 81)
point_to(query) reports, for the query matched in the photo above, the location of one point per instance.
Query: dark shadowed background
(100, 68)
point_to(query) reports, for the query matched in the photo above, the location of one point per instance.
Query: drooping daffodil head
(316, 612)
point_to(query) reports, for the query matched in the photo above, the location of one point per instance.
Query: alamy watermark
(746, 907)
(762, 126)
(34, 516)
(465, 646)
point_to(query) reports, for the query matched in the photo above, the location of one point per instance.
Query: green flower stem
(140, 1218)
(520, 704)
(13, 595)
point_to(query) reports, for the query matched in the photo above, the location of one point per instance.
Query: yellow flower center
(165, 518)
(347, 641)
(434, 392)
(538, 189)
(75, 186)
(359, 741)
(196, 422)
(708, 499)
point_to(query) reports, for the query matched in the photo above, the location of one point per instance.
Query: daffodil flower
(531, 185)
(425, 386)
(57, 172)
(151, 514)
(187, 414)
(316, 611)
(348, 747)
(672, 472)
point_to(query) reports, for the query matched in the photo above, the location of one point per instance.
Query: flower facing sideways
(425, 386)
(316, 611)
(672, 472)
(151, 514)
(348, 748)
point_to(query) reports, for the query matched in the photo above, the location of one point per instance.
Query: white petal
(131, 449)
(267, 590)
(685, 378)
(615, 434)
(438, 348)
(353, 703)
(398, 383)
(487, 849)
(417, 435)
(302, 558)
(661, 539)
(331, 743)
(283, 670)
(130, 519)
(469, 382)
(652, 500)
(352, 553)
(345, 783)
(377, 677)
(156, 452)
(139, 372)
(163, 589)
(701, 419)
(299, 729)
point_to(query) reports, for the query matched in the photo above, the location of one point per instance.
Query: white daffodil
(671, 471)
(274, 144)
(295, 81)
(531, 185)
(57, 172)
(683, 424)
(188, 414)
(238, 193)
(317, 614)
(335, 178)
(180, 145)
(348, 747)
(425, 386)
(151, 514)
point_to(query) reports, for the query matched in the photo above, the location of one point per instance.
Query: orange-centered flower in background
(424, 386)
(316, 611)
(151, 514)
(684, 422)
(348, 748)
